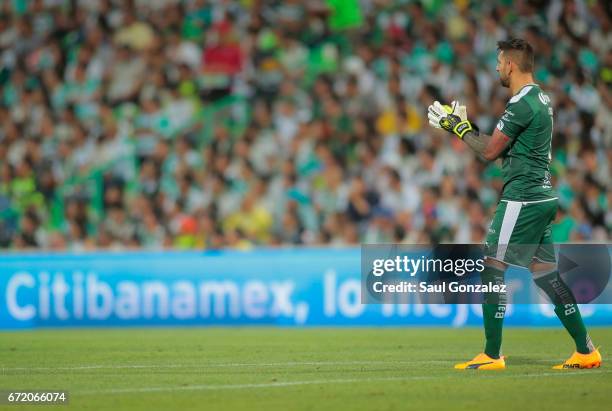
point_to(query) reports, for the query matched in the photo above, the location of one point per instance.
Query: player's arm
(454, 120)
(487, 147)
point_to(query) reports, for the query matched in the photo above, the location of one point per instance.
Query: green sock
(493, 311)
(565, 308)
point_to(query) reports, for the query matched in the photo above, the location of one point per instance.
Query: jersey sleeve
(516, 118)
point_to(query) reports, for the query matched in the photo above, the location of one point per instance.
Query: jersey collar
(526, 85)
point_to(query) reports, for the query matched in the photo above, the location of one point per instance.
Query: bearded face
(503, 69)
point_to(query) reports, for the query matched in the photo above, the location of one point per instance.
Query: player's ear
(511, 63)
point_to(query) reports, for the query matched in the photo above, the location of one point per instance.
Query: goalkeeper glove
(450, 118)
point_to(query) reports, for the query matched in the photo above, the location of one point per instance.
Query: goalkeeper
(520, 232)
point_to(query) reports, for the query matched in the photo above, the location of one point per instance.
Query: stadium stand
(206, 124)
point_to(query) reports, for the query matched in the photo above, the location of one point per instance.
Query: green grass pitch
(299, 369)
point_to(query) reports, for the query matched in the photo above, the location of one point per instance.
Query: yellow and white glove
(451, 118)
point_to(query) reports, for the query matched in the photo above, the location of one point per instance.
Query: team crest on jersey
(546, 181)
(544, 98)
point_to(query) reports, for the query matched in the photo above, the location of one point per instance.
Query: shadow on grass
(528, 360)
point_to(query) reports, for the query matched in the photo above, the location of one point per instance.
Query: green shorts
(521, 231)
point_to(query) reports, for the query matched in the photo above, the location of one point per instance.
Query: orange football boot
(581, 361)
(483, 362)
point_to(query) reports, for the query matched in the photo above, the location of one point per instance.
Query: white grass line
(249, 386)
(561, 373)
(230, 365)
(91, 367)
(221, 365)
(280, 384)
(205, 366)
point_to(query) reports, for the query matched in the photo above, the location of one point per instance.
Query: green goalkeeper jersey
(528, 121)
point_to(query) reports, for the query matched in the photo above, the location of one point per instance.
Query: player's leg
(546, 276)
(499, 237)
(494, 304)
(493, 312)
(493, 307)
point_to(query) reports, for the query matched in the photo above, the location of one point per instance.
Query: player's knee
(493, 263)
(538, 267)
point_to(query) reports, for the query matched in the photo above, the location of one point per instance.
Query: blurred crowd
(215, 123)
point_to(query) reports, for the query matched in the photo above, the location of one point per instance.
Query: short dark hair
(520, 51)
